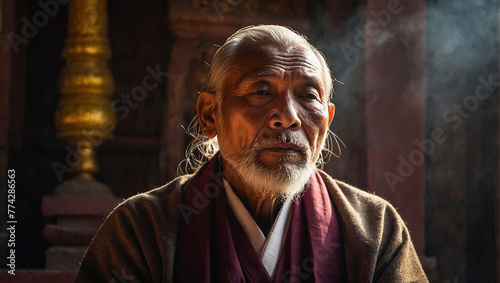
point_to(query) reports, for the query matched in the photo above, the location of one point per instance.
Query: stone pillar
(497, 198)
(77, 221)
(84, 119)
(497, 223)
(396, 107)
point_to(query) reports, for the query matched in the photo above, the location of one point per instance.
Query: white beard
(287, 180)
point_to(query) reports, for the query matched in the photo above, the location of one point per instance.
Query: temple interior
(96, 97)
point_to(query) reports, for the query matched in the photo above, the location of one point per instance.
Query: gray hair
(224, 62)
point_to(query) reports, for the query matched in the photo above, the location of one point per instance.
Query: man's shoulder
(166, 197)
(354, 196)
(364, 212)
(139, 235)
(377, 243)
(364, 216)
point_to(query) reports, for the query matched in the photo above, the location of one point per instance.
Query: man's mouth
(284, 148)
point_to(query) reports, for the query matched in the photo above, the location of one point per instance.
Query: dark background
(461, 40)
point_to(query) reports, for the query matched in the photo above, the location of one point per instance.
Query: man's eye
(309, 96)
(262, 92)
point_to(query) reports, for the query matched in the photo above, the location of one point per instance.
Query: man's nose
(285, 114)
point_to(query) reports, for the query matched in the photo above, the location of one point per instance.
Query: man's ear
(331, 112)
(207, 110)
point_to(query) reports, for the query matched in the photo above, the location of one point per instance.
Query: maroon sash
(213, 247)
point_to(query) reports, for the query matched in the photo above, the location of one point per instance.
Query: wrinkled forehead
(252, 59)
(253, 55)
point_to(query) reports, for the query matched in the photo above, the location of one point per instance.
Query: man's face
(274, 113)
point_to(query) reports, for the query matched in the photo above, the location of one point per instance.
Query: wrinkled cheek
(224, 140)
(320, 142)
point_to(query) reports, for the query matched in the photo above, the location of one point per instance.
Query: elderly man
(258, 210)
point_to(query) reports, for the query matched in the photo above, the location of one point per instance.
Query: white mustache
(284, 138)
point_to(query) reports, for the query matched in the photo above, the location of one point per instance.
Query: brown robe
(138, 240)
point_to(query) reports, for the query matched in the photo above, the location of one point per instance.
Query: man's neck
(262, 207)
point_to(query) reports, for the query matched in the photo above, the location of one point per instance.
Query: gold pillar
(84, 118)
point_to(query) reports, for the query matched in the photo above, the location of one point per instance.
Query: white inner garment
(269, 249)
